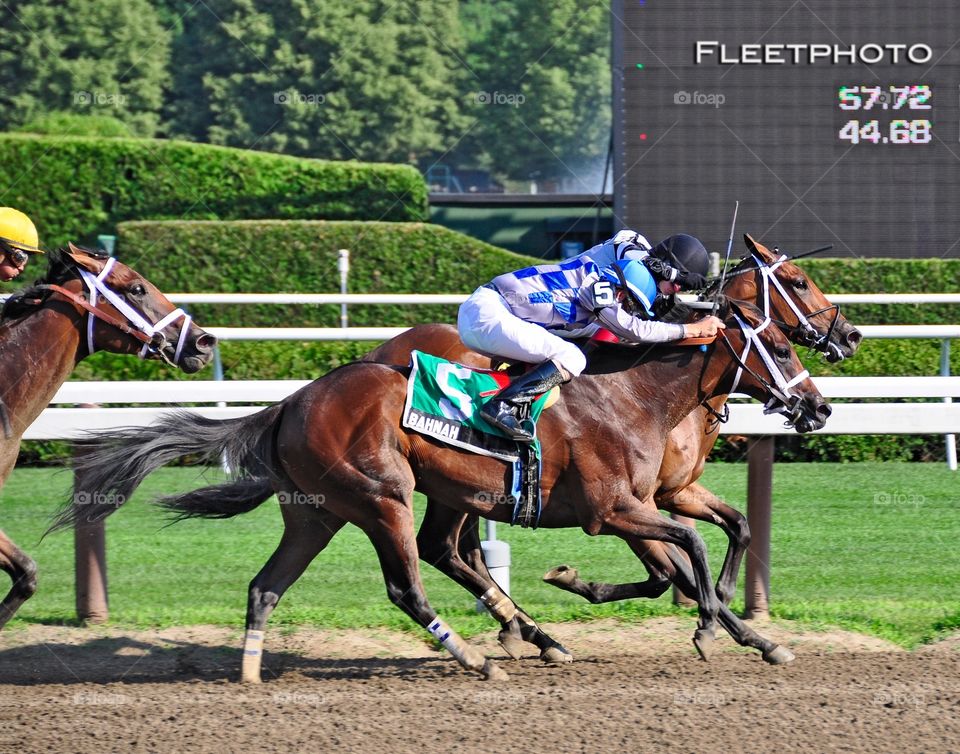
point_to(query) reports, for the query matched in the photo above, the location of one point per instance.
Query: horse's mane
(60, 269)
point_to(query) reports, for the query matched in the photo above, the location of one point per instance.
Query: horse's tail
(219, 500)
(112, 465)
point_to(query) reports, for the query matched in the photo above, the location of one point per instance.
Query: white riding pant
(486, 324)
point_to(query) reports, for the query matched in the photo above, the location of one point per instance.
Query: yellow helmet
(19, 231)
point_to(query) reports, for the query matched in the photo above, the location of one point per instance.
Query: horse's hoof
(492, 672)
(779, 655)
(703, 640)
(556, 656)
(512, 645)
(561, 576)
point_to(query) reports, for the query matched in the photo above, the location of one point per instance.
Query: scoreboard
(831, 122)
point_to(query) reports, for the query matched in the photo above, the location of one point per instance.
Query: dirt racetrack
(632, 688)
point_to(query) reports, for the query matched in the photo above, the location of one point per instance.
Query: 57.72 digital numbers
(896, 132)
(878, 99)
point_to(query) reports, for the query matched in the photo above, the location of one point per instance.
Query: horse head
(784, 292)
(124, 312)
(764, 365)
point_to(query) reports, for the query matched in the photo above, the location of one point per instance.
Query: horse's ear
(755, 246)
(90, 262)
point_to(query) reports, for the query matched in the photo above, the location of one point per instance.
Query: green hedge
(277, 256)
(75, 188)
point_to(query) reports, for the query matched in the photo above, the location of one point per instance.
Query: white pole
(496, 554)
(951, 440)
(343, 265)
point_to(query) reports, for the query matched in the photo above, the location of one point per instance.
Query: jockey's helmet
(18, 232)
(636, 280)
(683, 252)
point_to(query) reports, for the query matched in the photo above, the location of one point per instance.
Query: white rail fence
(238, 399)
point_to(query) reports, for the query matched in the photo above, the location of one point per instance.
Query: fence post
(951, 440)
(759, 504)
(89, 559)
(343, 266)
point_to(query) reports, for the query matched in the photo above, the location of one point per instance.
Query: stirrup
(499, 415)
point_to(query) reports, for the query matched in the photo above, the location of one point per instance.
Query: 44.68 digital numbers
(896, 132)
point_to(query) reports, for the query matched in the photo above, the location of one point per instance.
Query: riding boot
(501, 411)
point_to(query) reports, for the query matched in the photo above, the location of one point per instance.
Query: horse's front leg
(22, 571)
(641, 519)
(696, 501)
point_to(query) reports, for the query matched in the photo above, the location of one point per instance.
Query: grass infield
(868, 547)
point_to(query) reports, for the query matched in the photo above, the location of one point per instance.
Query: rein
(135, 325)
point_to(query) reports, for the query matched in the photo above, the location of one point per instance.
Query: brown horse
(338, 444)
(87, 301)
(450, 540)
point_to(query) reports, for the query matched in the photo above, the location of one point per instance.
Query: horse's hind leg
(391, 532)
(307, 530)
(696, 501)
(450, 542)
(23, 573)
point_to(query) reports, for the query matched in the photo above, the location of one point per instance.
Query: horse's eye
(137, 290)
(782, 352)
(800, 284)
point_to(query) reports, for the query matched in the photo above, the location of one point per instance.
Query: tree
(366, 79)
(91, 57)
(542, 88)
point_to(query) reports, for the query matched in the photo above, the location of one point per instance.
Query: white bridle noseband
(752, 336)
(97, 286)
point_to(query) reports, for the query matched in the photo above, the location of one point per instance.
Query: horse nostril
(206, 342)
(824, 411)
(854, 337)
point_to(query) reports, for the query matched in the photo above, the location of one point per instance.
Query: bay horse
(450, 541)
(86, 302)
(337, 448)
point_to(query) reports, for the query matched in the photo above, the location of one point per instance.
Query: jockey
(528, 315)
(18, 240)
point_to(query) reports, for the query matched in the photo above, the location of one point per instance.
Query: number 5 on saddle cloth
(443, 402)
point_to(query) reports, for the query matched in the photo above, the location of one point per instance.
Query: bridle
(135, 325)
(782, 399)
(802, 332)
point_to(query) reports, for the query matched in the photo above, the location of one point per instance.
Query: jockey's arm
(632, 328)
